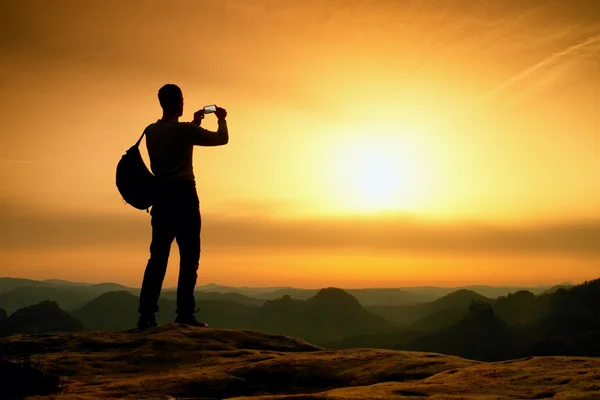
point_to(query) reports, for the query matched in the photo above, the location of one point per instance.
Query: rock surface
(179, 362)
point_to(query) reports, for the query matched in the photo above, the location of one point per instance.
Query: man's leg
(188, 240)
(162, 238)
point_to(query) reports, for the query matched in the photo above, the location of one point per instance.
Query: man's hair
(170, 97)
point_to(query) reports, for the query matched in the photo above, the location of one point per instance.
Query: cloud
(23, 228)
(554, 59)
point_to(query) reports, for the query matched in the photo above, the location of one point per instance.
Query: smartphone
(210, 109)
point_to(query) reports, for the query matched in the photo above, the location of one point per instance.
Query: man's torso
(170, 153)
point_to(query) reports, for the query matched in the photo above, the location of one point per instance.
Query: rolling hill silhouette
(245, 290)
(282, 315)
(109, 311)
(226, 314)
(405, 316)
(439, 320)
(299, 294)
(479, 335)
(40, 318)
(117, 311)
(18, 293)
(23, 296)
(366, 297)
(392, 296)
(8, 284)
(431, 293)
(233, 297)
(522, 307)
(65, 283)
(571, 326)
(565, 323)
(330, 314)
(556, 288)
(110, 287)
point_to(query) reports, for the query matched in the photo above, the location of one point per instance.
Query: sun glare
(377, 176)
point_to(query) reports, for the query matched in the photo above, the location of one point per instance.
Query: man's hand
(221, 113)
(198, 117)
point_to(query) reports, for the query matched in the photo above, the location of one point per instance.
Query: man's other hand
(221, 113)
(198, 117)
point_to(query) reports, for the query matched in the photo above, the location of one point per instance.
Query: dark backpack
(135, 182)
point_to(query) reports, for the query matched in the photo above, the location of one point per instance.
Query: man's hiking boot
(146, 321)
(190, 320)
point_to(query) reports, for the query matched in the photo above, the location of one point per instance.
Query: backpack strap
(140, 139)
(137, 144)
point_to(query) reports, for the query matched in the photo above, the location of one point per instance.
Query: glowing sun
(372, 177)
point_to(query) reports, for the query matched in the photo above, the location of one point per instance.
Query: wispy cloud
(549, 61)
(23, 229)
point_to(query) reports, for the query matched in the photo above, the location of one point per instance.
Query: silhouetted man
(176, 209)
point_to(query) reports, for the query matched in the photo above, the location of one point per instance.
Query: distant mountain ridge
(366, 296)
(557, 287)
(66, 283)
(566, 322)
(68, 298)
(329, 315)
(233, 297)
(43, 317)
(403, 316)
(463, 323)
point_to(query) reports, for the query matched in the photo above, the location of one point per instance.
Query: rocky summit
(179, 362)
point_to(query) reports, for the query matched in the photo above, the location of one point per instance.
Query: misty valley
(523, 322)
(74, 340)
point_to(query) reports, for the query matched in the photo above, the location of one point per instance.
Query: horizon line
(276, 287)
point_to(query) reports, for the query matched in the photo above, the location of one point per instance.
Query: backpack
(136, 184)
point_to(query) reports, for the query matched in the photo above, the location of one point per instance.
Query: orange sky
(383, 143)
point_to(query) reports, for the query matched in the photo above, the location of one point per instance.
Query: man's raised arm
(203, 137)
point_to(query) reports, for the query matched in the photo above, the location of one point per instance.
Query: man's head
(171, 99)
